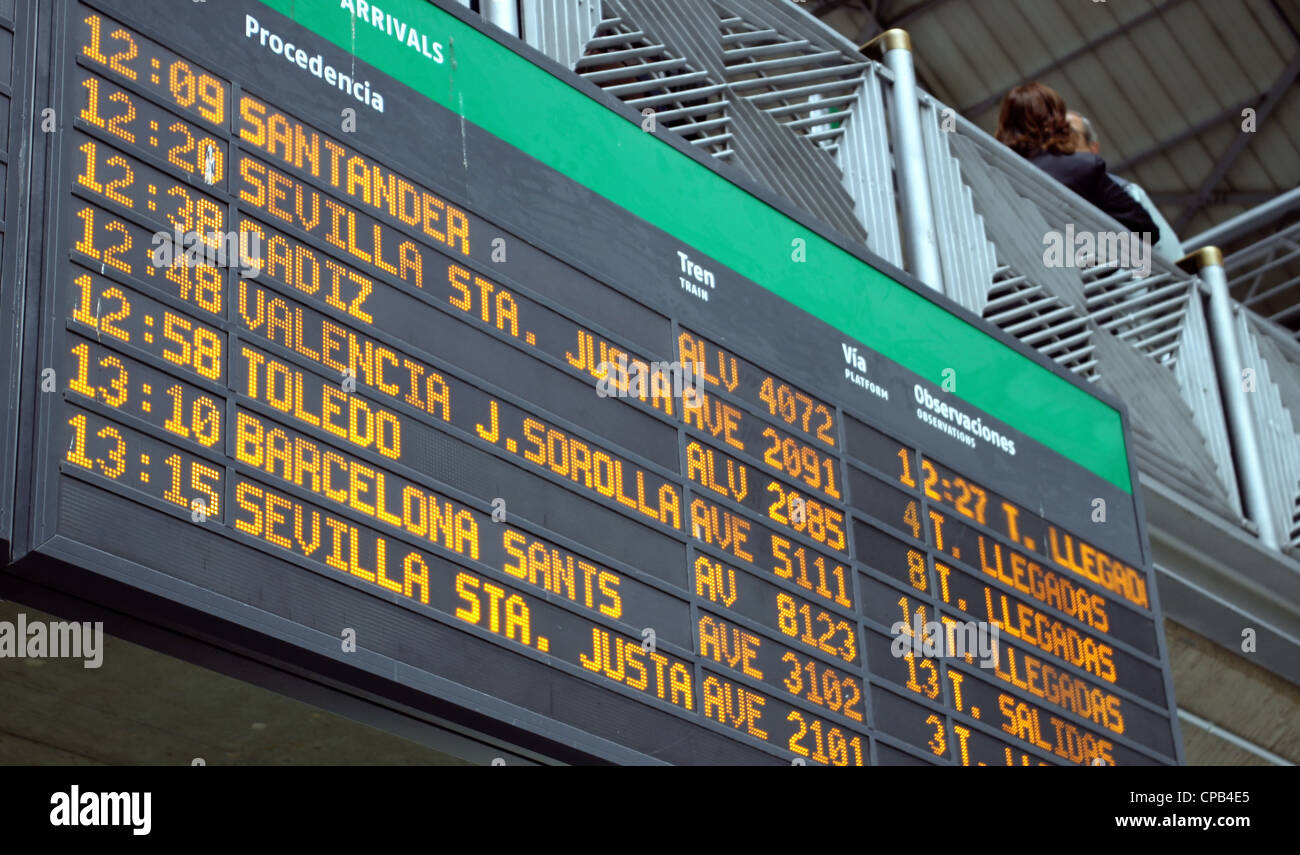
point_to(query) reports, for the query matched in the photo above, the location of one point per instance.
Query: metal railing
(800, 109)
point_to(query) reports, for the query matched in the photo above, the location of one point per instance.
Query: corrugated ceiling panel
(1160, 84)
(1268, 161)
(1280, 34)
(1096, 92)
(1274, 153)
(1196, 160)
(1017, 35)
(983, 25)
(1226, 81)
(1239, 27)
(950, 58)
(1287, 118)
(1094, 20)
(1186, 79)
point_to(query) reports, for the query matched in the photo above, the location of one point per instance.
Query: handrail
(1256, 217)
(913, 179)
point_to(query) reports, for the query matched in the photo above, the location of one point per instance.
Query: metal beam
(1247, 221)
(1232, 738)
(915, 12)
(1285, 19)
(980, 106)
(1239, 143)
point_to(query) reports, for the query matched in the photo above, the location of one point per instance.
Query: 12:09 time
(119, 49)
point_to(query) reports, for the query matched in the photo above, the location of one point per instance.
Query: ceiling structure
(1197, 101)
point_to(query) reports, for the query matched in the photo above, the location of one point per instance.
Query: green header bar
(530, 109)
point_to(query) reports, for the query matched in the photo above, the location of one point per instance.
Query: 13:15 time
(119, 460)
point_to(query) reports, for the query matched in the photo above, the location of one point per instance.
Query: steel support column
(920, 242)
(503, 13)
(1208, 263)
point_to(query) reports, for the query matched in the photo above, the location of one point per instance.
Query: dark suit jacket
(1086, 175)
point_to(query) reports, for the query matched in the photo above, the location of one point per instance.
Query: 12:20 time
(148, 127)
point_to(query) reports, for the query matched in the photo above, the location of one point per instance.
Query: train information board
(379, 335)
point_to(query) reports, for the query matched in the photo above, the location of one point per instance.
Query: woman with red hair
(1033, 124)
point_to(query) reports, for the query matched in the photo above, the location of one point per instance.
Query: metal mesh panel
(1200, 384)
(968, 258)
(759, 86)
(868, 167)
(1262, 276)
(763, 86)
(625, 62)
(798, 79)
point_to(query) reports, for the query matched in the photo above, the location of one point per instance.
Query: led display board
(367, 323)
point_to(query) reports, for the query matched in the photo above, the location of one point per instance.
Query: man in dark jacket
(1086, 175)
(1085, 139)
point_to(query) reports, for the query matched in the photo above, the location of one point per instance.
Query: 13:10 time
(202, 422)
